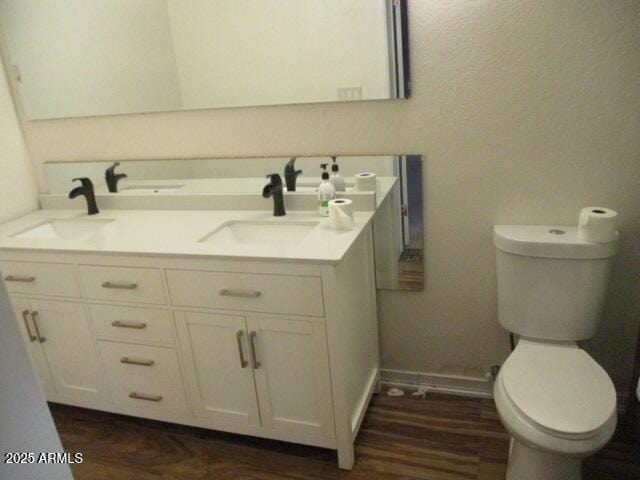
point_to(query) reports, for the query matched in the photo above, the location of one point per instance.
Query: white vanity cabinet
(61, 347)
(259, 373)
(279, 349)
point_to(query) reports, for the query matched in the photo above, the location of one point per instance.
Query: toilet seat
(559, 388)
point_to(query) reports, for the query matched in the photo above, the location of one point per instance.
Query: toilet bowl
(559, 406)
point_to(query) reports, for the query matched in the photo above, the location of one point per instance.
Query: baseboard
(435, 382)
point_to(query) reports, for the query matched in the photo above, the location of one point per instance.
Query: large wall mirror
(396, 195)
(74, 58)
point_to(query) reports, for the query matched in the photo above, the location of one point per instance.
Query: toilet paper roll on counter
(366, 182)
(341, 214)
(597, 224)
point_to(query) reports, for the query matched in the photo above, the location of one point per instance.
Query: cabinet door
(291, 370)
(218, 369)
(22, 310)
(68, 345)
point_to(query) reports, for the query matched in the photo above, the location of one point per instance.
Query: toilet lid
(559, 387)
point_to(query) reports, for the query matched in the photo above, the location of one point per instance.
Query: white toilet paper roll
(341, 214)
(366, 182)
(597, 224)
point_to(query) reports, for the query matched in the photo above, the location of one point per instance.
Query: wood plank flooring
(438, 437)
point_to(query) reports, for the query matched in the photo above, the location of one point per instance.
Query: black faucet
(113, 178)
(274, 189)
(87, 190)
(291, 174)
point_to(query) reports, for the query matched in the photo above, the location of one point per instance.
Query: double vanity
(229, 320)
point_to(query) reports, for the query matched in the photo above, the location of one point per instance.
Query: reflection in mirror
(74, 58)
(398, 222)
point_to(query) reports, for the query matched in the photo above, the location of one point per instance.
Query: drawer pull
(254, 356)
(136, 325)
(137, 361)
(120, 286)
(228, 292)
(25, 315)
(14, 278)
(34, 317)
(144, 396)
(243, 361)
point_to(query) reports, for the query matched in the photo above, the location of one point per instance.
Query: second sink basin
(65, 229)
(259, 233)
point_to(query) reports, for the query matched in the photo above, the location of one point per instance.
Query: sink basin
(65, 229)
(259, 233)
(151, 188)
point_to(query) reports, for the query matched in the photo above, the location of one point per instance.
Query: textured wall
(18, 191)
(524, 110)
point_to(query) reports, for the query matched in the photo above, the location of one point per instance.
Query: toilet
(557, 403)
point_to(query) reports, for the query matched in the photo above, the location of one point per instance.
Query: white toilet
(557, 403)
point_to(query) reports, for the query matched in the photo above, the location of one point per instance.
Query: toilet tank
(551, 284)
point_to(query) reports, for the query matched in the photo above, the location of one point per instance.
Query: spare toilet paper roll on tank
(341, 214)
(597, 224)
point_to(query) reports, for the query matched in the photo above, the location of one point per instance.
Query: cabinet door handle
(34, 317)
(254, 356)
(243, 361)
(137, 361)
(229, 292)
(145, 396)
(120, 286)
(25, 317)
(121, 324)
(17, 278)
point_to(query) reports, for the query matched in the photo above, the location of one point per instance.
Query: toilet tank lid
(549, 241)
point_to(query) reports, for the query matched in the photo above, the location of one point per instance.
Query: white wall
(524, 110)
(18, 191)
(79, 58)
(222, 64)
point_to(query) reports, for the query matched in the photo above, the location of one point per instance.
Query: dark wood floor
(438, 437)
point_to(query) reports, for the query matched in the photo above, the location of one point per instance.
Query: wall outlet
(349, 93)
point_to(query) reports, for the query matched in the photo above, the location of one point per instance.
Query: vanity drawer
(142, 376)
(122, 284)
(32, 278)
(132, 324)
(247, 292)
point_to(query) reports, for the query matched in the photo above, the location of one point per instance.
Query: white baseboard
(435, 382)
(456, 384)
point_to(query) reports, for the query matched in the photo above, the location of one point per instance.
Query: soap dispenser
(326, 192)
(336, 179)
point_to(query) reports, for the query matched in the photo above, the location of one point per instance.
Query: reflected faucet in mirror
(291, 174)
(86, 190)
(274, 189)
(113, 178)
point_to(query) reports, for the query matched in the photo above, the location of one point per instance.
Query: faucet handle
(112, 168)
(275, 178)
(86, 181)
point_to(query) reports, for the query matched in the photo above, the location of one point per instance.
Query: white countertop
(177, 232)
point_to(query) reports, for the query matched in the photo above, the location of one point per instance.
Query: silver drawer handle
(243, 361)
(25, 317)
(137, 361)
(120, 286)
(144, 396)
(136, 325)
(15, 278)
(34, 317)
(254, 355)
(227, 292)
